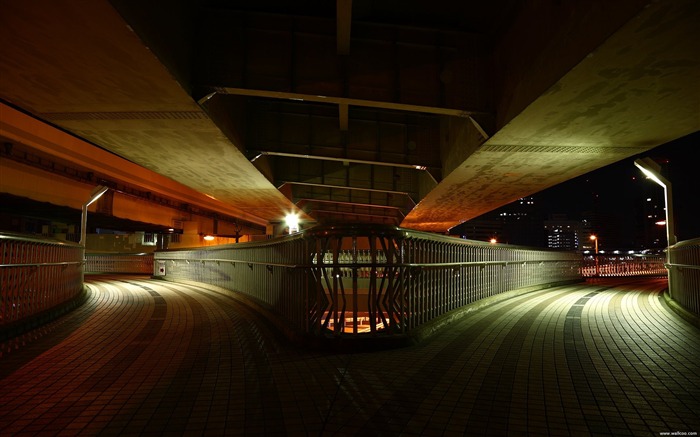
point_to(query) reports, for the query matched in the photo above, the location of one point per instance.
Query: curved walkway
(145, 357)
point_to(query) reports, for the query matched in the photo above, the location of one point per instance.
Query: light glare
(292, 221)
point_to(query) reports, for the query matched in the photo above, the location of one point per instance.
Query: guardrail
(623, 265)
(36, 276)
(684, 274)
(138, 263)
(355, 280)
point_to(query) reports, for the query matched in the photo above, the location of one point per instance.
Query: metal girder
(343, 160)
(351, 212)
(299, 97)
(343, 25)
(343, 117)
(351, 205)
(400, 193)
(356, 181)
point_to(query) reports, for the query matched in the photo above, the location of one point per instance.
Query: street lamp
(652, 170)
(96, 193)
(594, 238)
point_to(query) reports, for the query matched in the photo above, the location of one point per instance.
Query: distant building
(651, 231)
(482, 228)
(564, 234)
(518, 223)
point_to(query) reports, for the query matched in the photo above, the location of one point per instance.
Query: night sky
(617, 193)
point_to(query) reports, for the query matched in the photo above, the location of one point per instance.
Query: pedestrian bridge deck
(153, 357)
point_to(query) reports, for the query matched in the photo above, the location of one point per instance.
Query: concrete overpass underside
(419, 114)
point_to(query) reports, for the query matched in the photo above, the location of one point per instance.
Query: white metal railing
(684, 274)
(138, 263)
(623, 265)
(352, 280)
(36, 275)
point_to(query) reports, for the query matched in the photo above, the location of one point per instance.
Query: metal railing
(139, 263)
(623, 265)
(684, 274)
(36, 275)
(354, 280)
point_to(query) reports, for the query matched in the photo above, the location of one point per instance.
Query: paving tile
(152, 357)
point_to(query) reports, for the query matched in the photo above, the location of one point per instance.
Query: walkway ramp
(144, 357)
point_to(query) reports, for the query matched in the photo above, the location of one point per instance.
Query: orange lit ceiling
(417, 113)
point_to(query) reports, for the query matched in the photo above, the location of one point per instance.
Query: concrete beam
(637, 90)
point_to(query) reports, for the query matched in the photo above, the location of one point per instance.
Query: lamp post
(652, 170)
(595, 239)
(96, 193)
(597, 267)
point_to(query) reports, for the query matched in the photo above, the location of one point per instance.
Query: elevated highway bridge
(224, 117)
(418, 114)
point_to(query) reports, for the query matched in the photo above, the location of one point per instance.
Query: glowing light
(661, 223)
(292, 222)
(209, 237)
(493, 241)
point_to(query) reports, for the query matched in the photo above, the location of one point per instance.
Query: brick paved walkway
(145, 357)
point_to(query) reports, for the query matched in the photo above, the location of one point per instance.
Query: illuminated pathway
(151, 357)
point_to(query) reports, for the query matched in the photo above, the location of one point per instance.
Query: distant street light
(595, 239)
(652, 170)
(597, 266)
(96, 193)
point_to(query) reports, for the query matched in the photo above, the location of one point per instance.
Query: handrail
(118, 262)
(238, 261)
(686, 243)
(43, 264)
(40, 278)
(684, 266)
(367, 280)
(35, 239)
(364, 264)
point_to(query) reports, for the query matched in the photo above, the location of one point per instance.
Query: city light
(493, 241)
(209, 237)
